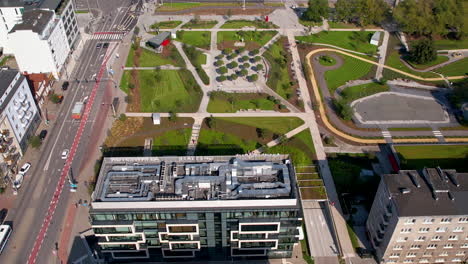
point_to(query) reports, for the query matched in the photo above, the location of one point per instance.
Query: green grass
(5, 59)
(448, 44)
(175, 91)
(124, 82)
(352, 236)
(344, 39)
(219, 102)
(199, 39)
(457, 68)
(172, 7)
(166, 24)
(310, 23)
(352, 69)
(439, 60)
(355, 92)
(81, 11)
(300, 147)
(445, 156)
(393, 60)
(234, 24)
(197, 58)
(211, 142)
(327, 60)
(149, 58)
(334, 24)
(173, 142)
(200, 24)
(280, 125)
(278, 79)
(252, 39)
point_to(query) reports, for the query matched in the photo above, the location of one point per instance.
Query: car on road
(65, 153)
(98, 46)
(18, 181)
(105, 45)
(65, 85)
(60, 99)
(43, 134)
(25, 168)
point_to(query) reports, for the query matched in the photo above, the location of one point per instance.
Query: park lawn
(219, 102)
(151, 59)
(456, 68)
(355, 92)
(166, 24)
(344, 39)
(200, 39)
(352, 69)
(200, 24)
(176, 91)
(148, 58)
(212, 142)
(334, 24)
(197, 58)
(234, 24)
(431, 156)
(125, 81)
(280, 125)
(393, 60)
(438, 60)
(448, 44)
(278, 76)
(253, 39)
(172, 7)
(300, 147)
(173, 142)
(308, 23)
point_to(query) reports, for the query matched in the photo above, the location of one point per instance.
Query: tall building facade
(10, 15)
(19, 115)
(186, 208)
(39, 43)
(420, 217)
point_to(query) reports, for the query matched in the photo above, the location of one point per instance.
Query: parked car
(105, 45)
(25, 168)
(65, 85)
(98, 46)
(43, 134)
(65, 153)
(60, 99)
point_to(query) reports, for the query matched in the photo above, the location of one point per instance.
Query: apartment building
(196, 208)
(420, 217)
(19, 116)
(65, 11)
(39, 43)
(10, 15)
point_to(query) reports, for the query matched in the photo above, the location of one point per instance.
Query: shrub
(243, 72)
(259, 67)
(343, 109)
(222, 78)
(219, 63)
(222, 70)
(253, 77)
(35, 142)
(172, 116)
(226, 51)
(123, 117)
(257, 58)
(282, 106)
(234, 76)
(271, 98)
(240, 50)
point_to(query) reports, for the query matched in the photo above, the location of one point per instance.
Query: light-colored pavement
(382, 55)
(163, 67)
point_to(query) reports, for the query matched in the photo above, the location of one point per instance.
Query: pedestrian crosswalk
(108, 36)
(386, 134)
(437, 133)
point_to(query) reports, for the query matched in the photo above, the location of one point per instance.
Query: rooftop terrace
(194, 178)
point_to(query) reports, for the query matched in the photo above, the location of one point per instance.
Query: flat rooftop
(201, 178)
(35, 20)
(430, 192)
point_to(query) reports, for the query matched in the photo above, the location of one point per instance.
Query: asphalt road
(31, 206)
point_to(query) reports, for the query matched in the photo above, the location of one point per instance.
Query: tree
(222, 78)
(55, 98)
(246, 65)
(343, 109)
(260, 132)
(316, 10)
(423, 51)
(257, 58)
(227, 51)
(123, 117)
(241, 50)
(172, 116)
(233, 76)
(362, 12)
(459, 93)
(210, 122)
(344, 10)
(229, 13)
(253, 77)
(243, 72)
(35, 142)
(219, 63)
(245, 58)
(254, 52)
(222, 70)
(259, 67)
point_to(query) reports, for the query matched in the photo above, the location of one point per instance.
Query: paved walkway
(194, 137)
(278, 141)
(382, 55)
(163, 67)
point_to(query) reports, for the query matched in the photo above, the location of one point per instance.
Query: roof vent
(453, 178)
(414, 179)
(405, 190)
(450, 195)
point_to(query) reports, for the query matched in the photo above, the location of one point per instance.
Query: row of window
(439, 260)
(457, 229)
(434, 246)
(445, 220)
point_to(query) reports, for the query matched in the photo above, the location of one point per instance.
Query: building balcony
(388, 210)
(25, 106)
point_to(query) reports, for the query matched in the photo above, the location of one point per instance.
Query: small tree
(253, 77)
(243, 72)
(241, 50)
(234, 76)
(245, 58)
(227, 51)
(257, 58)
(222, 78)
(35, 142)
(172, 116)
(122, 117)
(210, 122)
(229, 13)
(260, 132)
(55, 98)
(222, 70)
(316, 10)
(259, 67)
(423, 51)
(246, 65)
(233, 65)
(254, 52)
(219, 63)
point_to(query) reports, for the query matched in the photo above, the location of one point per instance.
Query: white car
(25, 168)
(65, 153)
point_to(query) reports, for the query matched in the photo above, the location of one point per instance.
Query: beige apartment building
(420, 217)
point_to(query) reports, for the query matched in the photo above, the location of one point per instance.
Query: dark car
(65, 85)
(60, 99)
(43, 134)
(364, 253)
(98, 46)
(3, 215)
(105, 45)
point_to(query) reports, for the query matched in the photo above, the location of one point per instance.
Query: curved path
(324, 117)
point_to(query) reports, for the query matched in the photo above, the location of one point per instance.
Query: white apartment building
(65, 11)
(19, 115)
(39, 43)
(10, 15)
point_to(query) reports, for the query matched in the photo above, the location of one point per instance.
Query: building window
(440, 260)
(427, 254)
(423, 261)
(394, 255)
(398, 247)
(405, 230)
(445, 220)
(443, 254)
(463, 220)
(428, 221)
(424, 230)
(410, 221)
(460, 253)
(456, 260)
(407, 261)
(415, 247)
(411, 255)
(402, 239)
(464, 245)
(436, 238)
(453, 237)
(420, 238)
(458, 229)
(441, 229)
(448, 246)
(431, 246)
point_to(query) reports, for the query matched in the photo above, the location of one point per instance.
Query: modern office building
(196, 207)
(39, 43)
(65, 11)
(420, 217)
(19, 115)
(10, 15)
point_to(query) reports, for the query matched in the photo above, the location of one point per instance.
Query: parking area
(398, 108)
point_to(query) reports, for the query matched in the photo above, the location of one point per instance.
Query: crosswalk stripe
(437, 133)
(386, 134)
